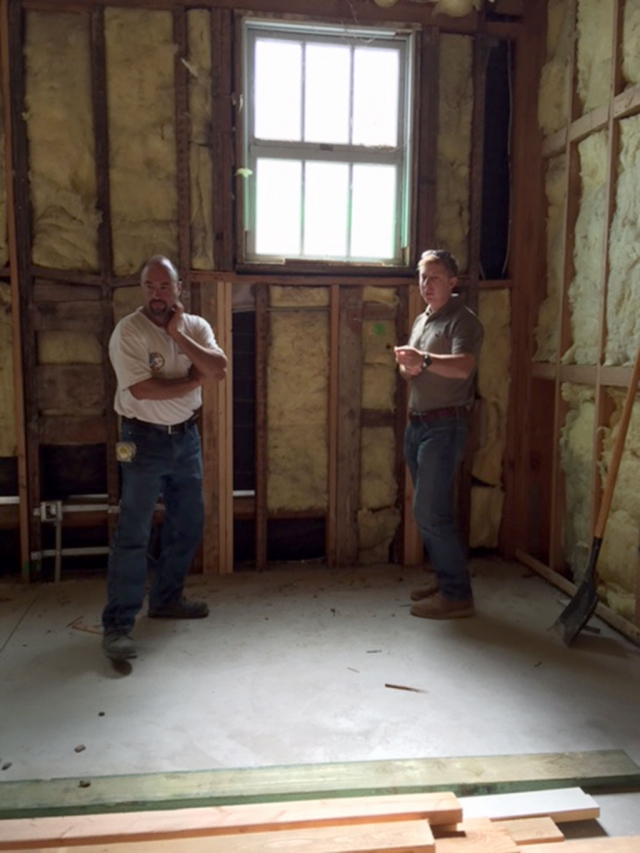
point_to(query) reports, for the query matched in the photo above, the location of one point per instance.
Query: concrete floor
(293, 667)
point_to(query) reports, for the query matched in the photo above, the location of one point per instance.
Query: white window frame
(400, 156)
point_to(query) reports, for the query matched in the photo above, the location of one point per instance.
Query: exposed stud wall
(140, 90)
(61, 150)
(199, 66)
(586, 287)
(553, 103)
(4, 252)
(630, 41)
(454, 145)
(595, 30)
(623, 291)
(8, 438)
(547, 328)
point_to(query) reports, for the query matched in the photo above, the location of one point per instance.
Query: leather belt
(170, 429)
(432, 415)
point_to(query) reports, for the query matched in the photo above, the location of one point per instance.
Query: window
(327, 152)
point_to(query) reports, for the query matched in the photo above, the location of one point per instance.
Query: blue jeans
(433, 452)
(167, 464)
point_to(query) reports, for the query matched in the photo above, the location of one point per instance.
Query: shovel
(583, 604)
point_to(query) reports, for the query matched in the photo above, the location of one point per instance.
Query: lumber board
(478, 835)
(438, 809)
(624, 844)
(563, 805)
(396, 836)
(533, 830)
(462, 775)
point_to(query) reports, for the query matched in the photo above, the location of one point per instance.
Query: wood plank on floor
(396, 836)
(477, 835)
(462, 775)
(563, 805)
(619, 844)
(26, 833)
(533, 830)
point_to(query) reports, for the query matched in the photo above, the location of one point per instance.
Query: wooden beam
(103, 200)
(331, 538)
(223, 138)
(603, 402)
(217, 440)
(261, 455)
(46, 832)
(183, 164)
(19, 234)
(349, 435)
(527, 267)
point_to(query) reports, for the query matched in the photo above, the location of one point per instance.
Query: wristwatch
(426, 360)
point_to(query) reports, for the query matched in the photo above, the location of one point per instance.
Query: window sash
(399, 156)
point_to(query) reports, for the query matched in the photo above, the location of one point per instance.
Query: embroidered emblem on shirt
(156, 361)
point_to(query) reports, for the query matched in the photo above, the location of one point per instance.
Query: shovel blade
(578, 612)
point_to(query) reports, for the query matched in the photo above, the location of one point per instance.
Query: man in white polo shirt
(161, 356)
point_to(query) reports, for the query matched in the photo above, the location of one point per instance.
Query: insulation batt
(454, 145)
(595, 32)
(630, 41)
(547, 329)
(8, 435)
(553, 97)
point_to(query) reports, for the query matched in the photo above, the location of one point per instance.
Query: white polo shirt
(138, 350)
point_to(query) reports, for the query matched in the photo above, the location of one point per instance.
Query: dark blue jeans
(433, 453)
(167, 464)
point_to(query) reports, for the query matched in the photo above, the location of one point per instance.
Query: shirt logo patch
(156, 361)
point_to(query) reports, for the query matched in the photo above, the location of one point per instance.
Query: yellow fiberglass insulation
(618, 562)
(200, 164)
(630, 39)
(59, 118)
(297, 404)
(125, 301)
(623, 289)
(8, 436)
(384, 295)
(594, 41)
(547, 329)
(378, 486)
(376, 529)
(486, 516)
(553, 97)
(379, 375)
(454, 145)
(494, 310)
(585, 288)
(142, 151)
(576, 456)
(281, 296)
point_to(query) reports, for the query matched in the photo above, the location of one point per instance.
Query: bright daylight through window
(326, 143)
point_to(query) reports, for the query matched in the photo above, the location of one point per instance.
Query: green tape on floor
(468, 776)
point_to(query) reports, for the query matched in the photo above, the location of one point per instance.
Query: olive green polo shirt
(454, 328)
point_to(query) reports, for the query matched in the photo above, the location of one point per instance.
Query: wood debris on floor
(403, 823)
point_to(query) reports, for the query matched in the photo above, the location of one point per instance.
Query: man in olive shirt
(440, 363)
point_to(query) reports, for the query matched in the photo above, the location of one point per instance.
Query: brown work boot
(438, 607)
(431, 585)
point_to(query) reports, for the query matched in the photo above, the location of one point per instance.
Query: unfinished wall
(594, 43)
(553, 100)
(140, 91)
(630, 40)
(576, 457)
(617, 566)
(297, 398)
(585, 289)
(8, 437)
(61, 149)
(623, 288)
(547, 328)
(487, 495)
(4, 249)
(454, 145)
(200, 141)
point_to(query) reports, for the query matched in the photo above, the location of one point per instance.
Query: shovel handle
(612, 473)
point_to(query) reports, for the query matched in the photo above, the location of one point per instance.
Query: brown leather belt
(432, 415)
(168, 428)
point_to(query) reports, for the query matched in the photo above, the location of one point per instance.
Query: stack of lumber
(402, 823)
